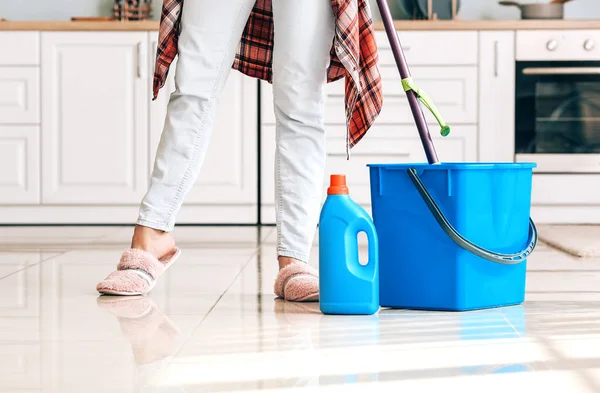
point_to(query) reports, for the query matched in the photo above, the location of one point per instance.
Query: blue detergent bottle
(346, 286)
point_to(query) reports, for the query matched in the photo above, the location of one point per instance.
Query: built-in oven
(558, 115)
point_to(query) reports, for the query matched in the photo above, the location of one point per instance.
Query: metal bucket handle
(504, 259)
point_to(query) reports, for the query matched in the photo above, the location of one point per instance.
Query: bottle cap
(337, 185)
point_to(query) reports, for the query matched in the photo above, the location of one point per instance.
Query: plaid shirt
(353, 56)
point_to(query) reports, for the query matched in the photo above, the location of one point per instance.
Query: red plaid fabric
(353, 56)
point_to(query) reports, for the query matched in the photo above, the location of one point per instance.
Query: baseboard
(586, 214)
(123, 215)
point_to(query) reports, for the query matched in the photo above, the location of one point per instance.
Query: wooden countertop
(400, 25)
(79, 26)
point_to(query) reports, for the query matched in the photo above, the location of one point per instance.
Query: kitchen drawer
(453, 90)
(19, 48)
(392, 144)
(569, 45)
(448, 48)
(19, 95)
(19, 165)
(573, 189)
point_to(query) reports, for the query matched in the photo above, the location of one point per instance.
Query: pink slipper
(298, 282)
(136, 273)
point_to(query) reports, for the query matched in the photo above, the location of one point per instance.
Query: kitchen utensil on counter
(438, 9)
(554, 10)
(132, 9)
(92, 19)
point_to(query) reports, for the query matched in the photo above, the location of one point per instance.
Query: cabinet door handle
(496, 59)
(142, 60)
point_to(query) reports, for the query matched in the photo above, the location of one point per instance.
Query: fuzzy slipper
(136, 273)
(298, 282)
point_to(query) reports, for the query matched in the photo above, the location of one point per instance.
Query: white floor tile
(52, 236)
(212, 324)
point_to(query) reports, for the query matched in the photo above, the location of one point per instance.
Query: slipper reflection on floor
(153, 337)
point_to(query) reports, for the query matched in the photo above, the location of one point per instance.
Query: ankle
(285, 261)
(152, 240)
(141, 233)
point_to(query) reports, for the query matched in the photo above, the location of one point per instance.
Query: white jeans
(211, 31)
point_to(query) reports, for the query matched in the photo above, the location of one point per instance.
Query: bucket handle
(505, 259)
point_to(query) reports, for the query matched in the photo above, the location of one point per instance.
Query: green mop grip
(409, 84)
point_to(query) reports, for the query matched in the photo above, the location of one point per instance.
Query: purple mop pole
(413, 100)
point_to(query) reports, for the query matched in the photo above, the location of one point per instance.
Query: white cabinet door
(19, 95)
(19, 165)
(226, 189)
(94, 117)
(497, 96)
(431, 48)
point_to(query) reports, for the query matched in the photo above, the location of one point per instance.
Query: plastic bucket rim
(456, 165)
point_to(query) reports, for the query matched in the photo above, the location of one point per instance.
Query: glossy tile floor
(213, 325)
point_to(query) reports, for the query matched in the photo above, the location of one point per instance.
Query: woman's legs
(304, 32)
(210, 34)
(211, 31)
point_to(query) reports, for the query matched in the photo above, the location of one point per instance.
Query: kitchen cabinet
(78, 128)
(79, 131)
(227, 186)
(19, 95)
(94, 117)
(19, 164)
(19, 119)
(497, 96)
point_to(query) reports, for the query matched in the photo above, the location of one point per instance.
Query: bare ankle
(143, 231)
(285, 261)
(152, 240)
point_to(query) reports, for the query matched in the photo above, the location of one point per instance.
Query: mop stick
(413, 99)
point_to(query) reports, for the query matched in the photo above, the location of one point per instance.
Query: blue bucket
(452, 236)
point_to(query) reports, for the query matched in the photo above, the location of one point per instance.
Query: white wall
(59, 9)
(65, 9)
(490, 9)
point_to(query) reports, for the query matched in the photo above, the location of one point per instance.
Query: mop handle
(413, 99)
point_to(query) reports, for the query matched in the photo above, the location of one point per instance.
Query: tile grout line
(256, 251)
(87, 241)
(58, 254)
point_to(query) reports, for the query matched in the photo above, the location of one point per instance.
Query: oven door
(558, 116)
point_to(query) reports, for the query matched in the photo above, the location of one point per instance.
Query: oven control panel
(558, 45)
